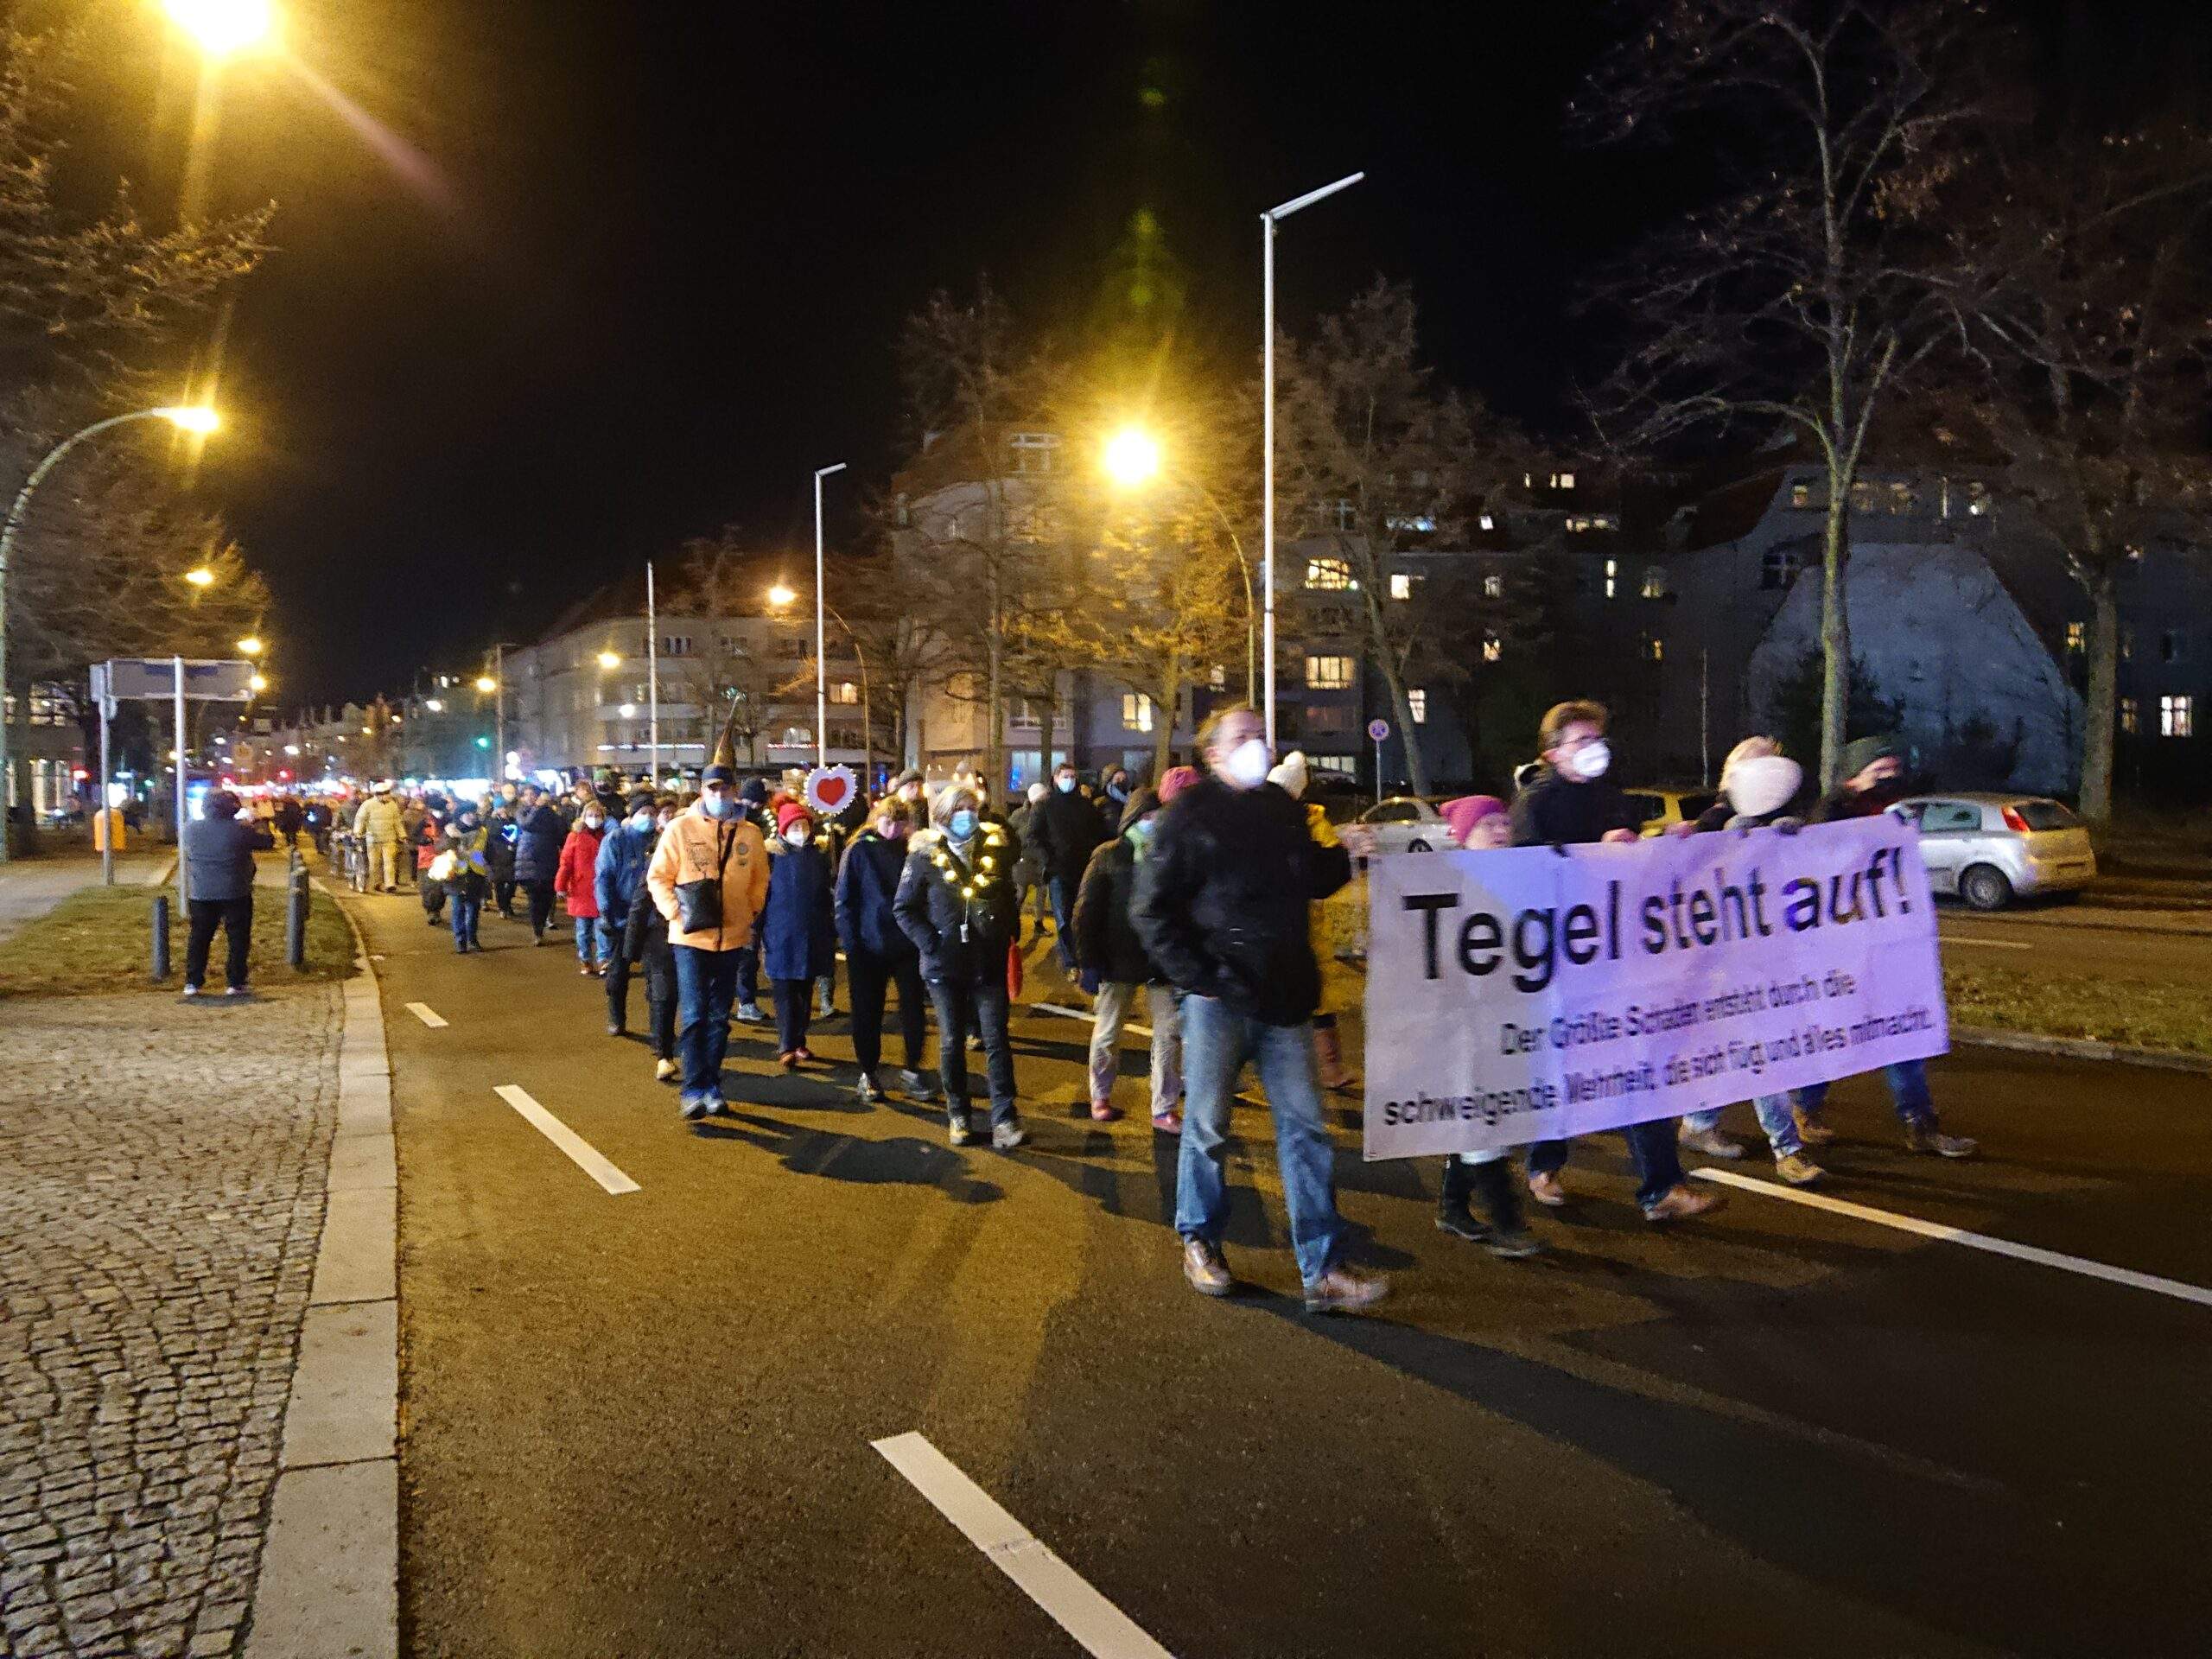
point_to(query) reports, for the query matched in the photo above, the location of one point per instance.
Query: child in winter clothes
(798, 928)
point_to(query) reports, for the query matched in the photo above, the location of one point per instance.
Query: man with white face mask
(1220, 907)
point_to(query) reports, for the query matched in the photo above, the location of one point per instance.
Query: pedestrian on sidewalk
(1222, 906)
(644, 942)
(289, 819)
(799, 927)
(379, 825)
(1573, 801)
(461, 867)
(956, 902)
(217, 853)
(1872, 782)
(1480, 823)
(1759, 786)
(708, 878)
(576, 881)
(1111, 955)
(617, 885)
(1064, 831)
(540, 834)
(878, 953)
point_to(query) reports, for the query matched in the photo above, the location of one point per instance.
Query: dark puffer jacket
(1105, 939)
(543, 833)
(1221, 898)
(868, 882)
(960, 915)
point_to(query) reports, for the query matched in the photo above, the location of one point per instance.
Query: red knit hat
(1175, 780)
(791, 812)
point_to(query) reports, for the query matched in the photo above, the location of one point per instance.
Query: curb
(329, 1579)
(2084, 1048)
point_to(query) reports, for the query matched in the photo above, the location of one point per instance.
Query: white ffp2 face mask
(1592, 760)
(1248, 763)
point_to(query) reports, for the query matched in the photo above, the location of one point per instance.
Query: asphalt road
(2079, 940)
(640, 1425)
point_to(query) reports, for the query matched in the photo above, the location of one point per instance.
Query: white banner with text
(1527, 993)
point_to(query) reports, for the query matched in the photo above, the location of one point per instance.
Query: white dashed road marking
(1993, 944)
(1129, 1027)
(427, 1015)
(1098, 1627)
(2042, 1258)
(581, 1151)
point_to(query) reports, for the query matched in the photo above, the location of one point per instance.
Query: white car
(1406, 824)
(1991, 848)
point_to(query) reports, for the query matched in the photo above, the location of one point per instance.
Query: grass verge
(101, 939)
(2140, 1013)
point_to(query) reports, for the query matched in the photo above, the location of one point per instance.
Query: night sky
(597, 277)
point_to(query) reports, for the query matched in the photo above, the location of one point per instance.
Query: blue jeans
(1650, 1146)
(1217, 1042)
(586, 939)
(705, 981)
(1907, 1081)
(962, 1008)
(1777, 1121)
(611, 929)
(467, 906)
(1062, 893)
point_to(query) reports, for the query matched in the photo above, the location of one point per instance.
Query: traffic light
(483, 742)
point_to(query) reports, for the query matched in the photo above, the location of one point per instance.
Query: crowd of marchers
(1194, 900)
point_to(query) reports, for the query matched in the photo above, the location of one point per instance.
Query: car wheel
(1985, 888)
(1417, 845)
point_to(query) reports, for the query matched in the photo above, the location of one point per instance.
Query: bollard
(161, 936)
(296, 921)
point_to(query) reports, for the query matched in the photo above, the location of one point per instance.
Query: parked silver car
(1990, 848)
(1407, 823)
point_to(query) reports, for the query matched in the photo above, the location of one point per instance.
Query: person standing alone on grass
(708, 877)
(798, 931)
(1109, 953)
(218, 854)
(877, 954)
(1221, 906)
(576, 881)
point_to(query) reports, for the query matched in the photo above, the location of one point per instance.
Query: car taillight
(2014, 822)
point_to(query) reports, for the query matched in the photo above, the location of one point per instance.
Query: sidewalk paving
(164, 1169)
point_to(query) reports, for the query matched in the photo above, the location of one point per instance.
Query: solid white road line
(1098, 1627)
(427, 1015)
(1131, 1027)
(1993, 944)
(584, 1154)
(2042, 1258)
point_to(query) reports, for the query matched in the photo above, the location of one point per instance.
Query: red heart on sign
(831, 792)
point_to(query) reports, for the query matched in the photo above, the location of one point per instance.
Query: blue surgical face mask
(1140, 831)
(1064, 785)
(715, 806)
(963, 824)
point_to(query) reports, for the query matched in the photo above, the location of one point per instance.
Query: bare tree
(738, 670)
(2098, 348)
(1815, 287)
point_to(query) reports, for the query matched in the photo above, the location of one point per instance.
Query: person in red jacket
(575, 882)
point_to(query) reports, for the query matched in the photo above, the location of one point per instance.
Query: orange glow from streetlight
(200, 577)
(780, 595)
(609, 659)
(223, 27)
(1131, 457)
(486, 684)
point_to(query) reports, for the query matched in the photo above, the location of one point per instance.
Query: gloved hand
(1087, 979)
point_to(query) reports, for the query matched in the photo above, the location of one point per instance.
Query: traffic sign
(216, 680)
(1377, 730)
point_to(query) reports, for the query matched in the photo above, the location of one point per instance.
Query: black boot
(1493, 1185)
(1453, 1215)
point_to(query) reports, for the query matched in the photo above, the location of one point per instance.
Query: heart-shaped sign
(830, 789)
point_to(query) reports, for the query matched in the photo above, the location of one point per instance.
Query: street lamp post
(821, 657)
(1133, 458)
(1268, 222)
(780, 596)
(197, 420)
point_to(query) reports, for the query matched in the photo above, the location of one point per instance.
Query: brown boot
(1329, 1057)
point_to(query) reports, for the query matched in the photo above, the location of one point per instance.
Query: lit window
(1977, 499)
(2127, 645)
(2128, 719)
(1612, 571)
(1655, 648)
(1489, 522)
(1417, 522)
(1217, 679)
(1654, 582)
(1806, 497)
(1493, 586)
(2135, 554)
(1136, 711)
(1033, 452)
(1328, 673)
(2077, 636)
(1777, 567)
(675, 645)
(1562, 480)
(1402, 585)
(1417, 701)
(1493, 648)
(1579, 522)
(1334, 576)
(2178, 716)
(844, 691)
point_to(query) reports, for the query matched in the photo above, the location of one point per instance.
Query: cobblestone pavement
(161, 1175)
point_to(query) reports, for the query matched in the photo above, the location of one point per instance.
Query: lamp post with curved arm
(186, 419)
(780, 596)
(1132, 459)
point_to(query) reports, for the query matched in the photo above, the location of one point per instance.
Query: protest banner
(1535, 993)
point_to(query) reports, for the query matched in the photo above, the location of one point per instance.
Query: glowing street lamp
(224, 27)
(1132, 457)
(259, 683)
(201, 577)
(486, 684)
(250, 646)
(780, 595)
(609, 659)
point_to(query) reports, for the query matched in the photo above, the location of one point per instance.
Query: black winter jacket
(960, 915)
(1104, 939)
(1063, 830)
(217, 859)
(867, 881)
(1552, 812)
(537, 845)
(1221, 901)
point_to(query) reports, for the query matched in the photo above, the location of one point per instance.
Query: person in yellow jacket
(379, 825)
(1291, 776)
(709, 876)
